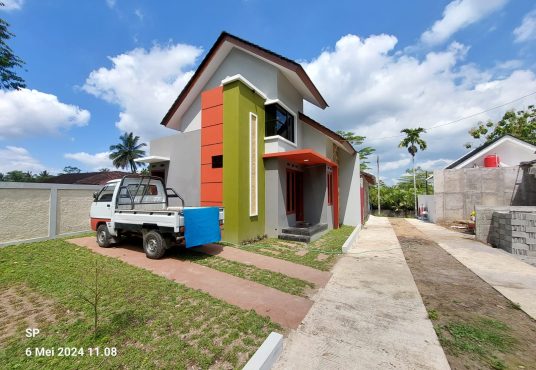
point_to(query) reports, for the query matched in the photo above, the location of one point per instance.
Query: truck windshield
(106, 193)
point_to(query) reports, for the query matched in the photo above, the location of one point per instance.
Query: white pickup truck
(140, 205)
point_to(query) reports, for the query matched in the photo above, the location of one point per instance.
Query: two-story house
(244, 143)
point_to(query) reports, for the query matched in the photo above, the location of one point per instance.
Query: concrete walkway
(369, 316)
(285, 309)
(317, 277)
(514, 279)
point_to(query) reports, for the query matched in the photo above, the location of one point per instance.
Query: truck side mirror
(95, 195)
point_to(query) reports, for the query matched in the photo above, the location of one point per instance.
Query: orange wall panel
(212, 192)
(212, 116)
(212, 98)
(211, 145)
(209, 174)
(208, 151)
(211, 135)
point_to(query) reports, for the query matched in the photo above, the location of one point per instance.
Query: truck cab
(142, 205)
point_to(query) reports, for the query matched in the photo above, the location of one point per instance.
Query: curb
(267, 354)
(351, 239)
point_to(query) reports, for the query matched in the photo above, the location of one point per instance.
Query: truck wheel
(154, 245)
(103, 236)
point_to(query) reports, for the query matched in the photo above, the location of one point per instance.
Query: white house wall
(349, 189)
(510, 153)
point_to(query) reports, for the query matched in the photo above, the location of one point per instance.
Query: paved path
(514, 279)
(317, 277)
(369, 316)
(286, 309)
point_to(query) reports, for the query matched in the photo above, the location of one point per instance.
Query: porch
(301, 195)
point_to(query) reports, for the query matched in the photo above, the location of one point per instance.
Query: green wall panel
(238, 101)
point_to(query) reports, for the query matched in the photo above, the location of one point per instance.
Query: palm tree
(124, 153)
(411, 142)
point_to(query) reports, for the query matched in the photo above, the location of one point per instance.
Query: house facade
(244, 143)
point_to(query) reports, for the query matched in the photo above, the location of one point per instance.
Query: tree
(124, 153)
(18, 176)
(413, 143)
(521, 124)
(357, 140)
(71, 169)
(8, 60)
(42, 176)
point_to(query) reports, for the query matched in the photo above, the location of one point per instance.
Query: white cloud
(139, 14)
(459, 14)
(434, 164)
(395, 165)
(144, 84)
(31, 112)
(111, 3)
(92, 161)
(527, 29)
(17, 158)
(375, 90)
(12, 4)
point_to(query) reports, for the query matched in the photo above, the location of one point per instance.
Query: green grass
(153, 322)
(483, 337)
(321, 254)
(269, 278)
(433, 314)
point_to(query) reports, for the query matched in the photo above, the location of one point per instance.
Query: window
(106, 193)
(291, 192)
(279, 122)
(330, 188)
(217, 161)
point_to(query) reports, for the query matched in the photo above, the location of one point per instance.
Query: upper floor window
(279, 122)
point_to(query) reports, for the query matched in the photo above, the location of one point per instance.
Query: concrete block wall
(458, 192)
(512, 229)
(33, 211)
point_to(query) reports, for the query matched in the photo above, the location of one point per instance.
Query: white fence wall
(32, 211)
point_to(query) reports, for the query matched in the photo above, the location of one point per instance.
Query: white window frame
(255, 211)
(284, 106)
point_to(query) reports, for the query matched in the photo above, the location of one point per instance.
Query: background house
(87, 178)
(489, 176)
(244, 143)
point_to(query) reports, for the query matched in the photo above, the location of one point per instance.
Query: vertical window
(291, 192)
(330, 188)
(253, 166)
(217, 161)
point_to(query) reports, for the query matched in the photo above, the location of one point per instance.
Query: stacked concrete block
(486, 224)
(513, 231)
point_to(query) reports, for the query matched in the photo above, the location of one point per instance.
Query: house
(367, 180)
(87, 178)
(244, 143)
(506, 151)
(488, 176)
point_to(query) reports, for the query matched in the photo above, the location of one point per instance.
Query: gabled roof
(475, 152)
(326, 131)
(371, 179)
(226, 39)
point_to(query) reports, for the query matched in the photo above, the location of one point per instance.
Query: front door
(299, 196)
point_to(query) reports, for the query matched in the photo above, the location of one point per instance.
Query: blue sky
(97, 68)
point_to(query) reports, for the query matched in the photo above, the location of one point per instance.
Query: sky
(97, 68)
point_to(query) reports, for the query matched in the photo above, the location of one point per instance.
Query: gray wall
(315, 205)
(458, 192)
(350, 189)
(30, 211)
(428, 201)
(183, 171)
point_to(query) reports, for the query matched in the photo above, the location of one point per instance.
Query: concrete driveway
(369, 316)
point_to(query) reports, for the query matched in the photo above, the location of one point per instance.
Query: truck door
(101, 209)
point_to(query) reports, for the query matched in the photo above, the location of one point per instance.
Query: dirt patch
(477, 326)
(301, 253)
(322, 257)
(22, 308)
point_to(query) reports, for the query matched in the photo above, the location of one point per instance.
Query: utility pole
(426, 180)
(378, 184)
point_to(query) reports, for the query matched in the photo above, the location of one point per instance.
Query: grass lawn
(321, 254)
(151, 321)
(269, 278)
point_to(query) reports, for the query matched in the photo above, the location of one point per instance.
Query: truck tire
(154, 245)
(103, 236)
